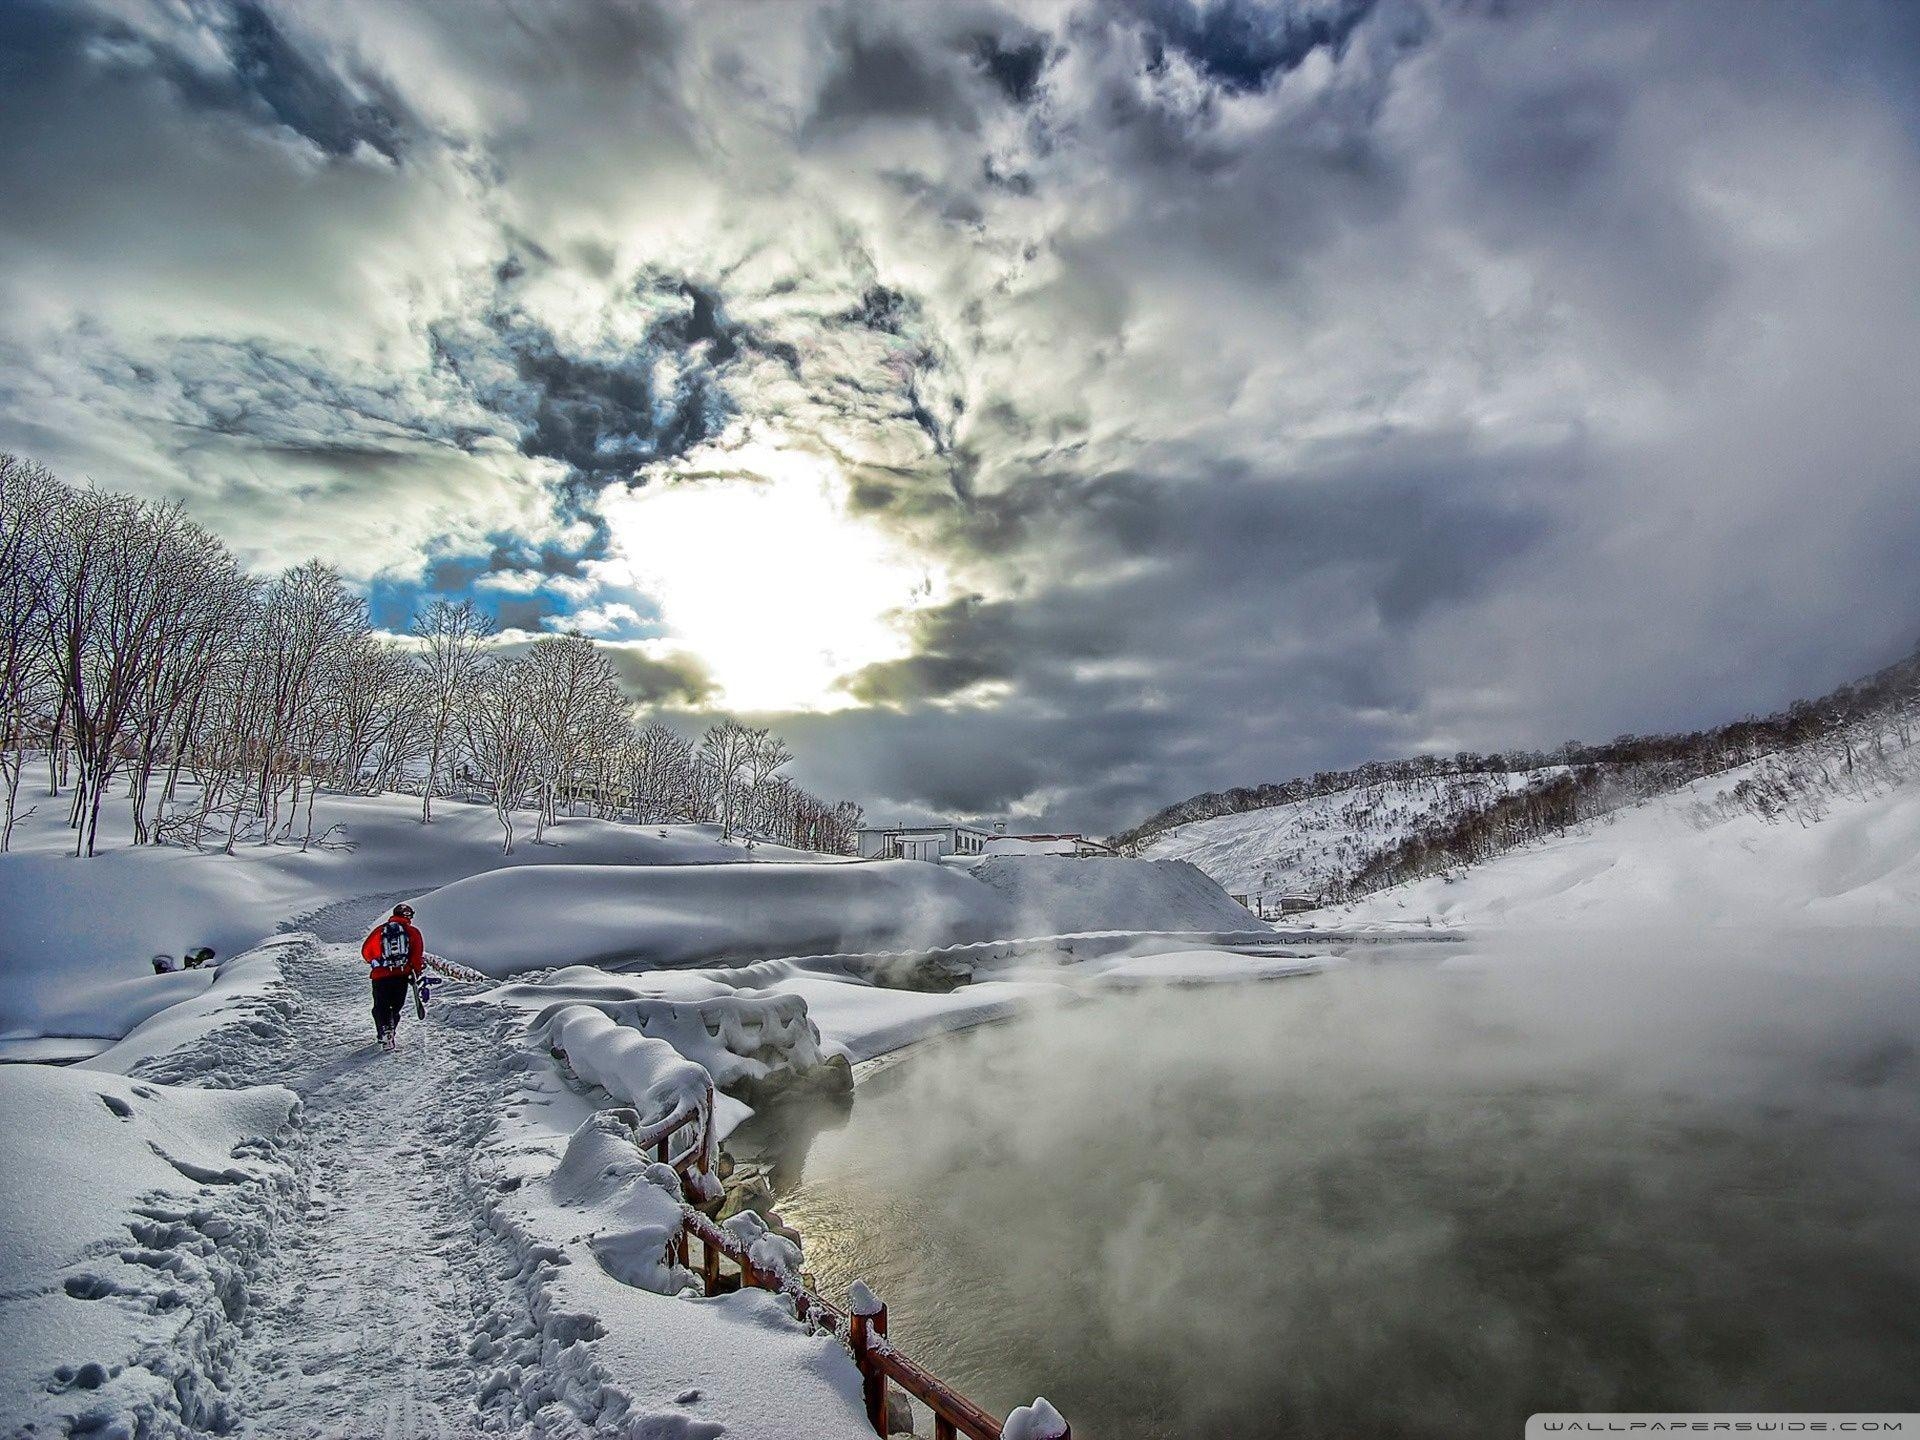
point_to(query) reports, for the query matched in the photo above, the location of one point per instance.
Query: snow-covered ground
(454, 1239)
(1850, 858)
(237, 1215)
(624, 917)
(75, 948)
(243, 1218)
(74, 954)
(1296, 849)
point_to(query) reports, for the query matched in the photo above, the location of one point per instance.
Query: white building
(922, 842)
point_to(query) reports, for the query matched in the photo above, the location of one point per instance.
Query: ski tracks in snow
(386, 1293)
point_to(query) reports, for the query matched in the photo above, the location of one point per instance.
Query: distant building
(935, 841)
(922, 842)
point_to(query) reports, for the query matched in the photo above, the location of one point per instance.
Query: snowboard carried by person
(396, 957)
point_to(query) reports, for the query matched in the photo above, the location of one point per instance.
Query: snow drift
(626, 918)
(130, 1246)
(97, 921)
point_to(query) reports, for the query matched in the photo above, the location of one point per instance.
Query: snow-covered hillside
(627, 917)
(1845, 853)
(1297, 849)
(74, 953)
(78, 934)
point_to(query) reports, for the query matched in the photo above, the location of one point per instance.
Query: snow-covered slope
(1297, 849)
(633, 918)
(75, 948)
(1847, 858)
(131, 1215)
(75, 945)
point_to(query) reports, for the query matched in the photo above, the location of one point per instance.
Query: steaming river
(1410, 1199)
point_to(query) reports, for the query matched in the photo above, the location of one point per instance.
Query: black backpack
(393, 944)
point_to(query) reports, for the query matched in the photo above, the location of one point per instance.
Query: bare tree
(503, 739)
(134, 647)
(27, 679)
(574, 698)
(452, 640)
(726, 750)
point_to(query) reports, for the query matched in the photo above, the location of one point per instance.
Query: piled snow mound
(130, 1246)
(641, 918)
(74, 951)
(1058, 895)
(622, 918)
(247, 996)
(627, 1204)
(1693, 857)
(1299, 848)
(620, 1340)
(648, 1074)
(736, 1035)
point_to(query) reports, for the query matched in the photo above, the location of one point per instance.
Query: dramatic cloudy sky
(1041, 410)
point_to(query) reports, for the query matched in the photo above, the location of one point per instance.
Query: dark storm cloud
(242, 61)
(1244, 44)
(1014, 64)
(673, 681)
(1263, 386)
(885, 76)
(1196, 567)
(269, 74)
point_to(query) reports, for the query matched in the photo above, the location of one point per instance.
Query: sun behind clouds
(769, 578)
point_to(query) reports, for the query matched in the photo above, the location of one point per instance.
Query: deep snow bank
(1060, 895)
(78, 935)
(1691, 858)
(133, 1218)
(622, 1338)
(631, 919)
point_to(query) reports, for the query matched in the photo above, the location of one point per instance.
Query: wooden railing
(863, 1327)
(691, 1163)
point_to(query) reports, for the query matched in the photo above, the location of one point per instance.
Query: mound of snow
(133, 1218)
(620, 1334)
(648, 1074)
(737, 1036)
(632, 919)
(1689, 858)
(74, 953)
(1059, 895)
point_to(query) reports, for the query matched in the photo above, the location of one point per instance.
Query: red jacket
(416, 950)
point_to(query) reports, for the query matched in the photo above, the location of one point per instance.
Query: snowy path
(389, 1273)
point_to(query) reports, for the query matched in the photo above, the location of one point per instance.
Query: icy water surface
(1410, 1199)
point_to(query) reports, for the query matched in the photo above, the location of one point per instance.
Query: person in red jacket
(397, 956)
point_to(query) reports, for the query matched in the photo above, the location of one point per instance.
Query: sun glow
(772, 582)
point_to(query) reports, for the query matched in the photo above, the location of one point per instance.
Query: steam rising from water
(1412, 1199)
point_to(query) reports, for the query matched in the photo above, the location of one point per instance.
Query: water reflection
(1404, 1200)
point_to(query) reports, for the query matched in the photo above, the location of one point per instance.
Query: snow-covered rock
(1038, 1421)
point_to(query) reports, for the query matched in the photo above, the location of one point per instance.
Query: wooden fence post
(869, 1318)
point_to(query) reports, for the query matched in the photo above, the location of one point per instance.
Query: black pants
(389, 994)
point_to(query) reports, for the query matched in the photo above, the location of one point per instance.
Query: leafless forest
(135, 651)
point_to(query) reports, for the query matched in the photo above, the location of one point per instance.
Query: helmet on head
(403, 910)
